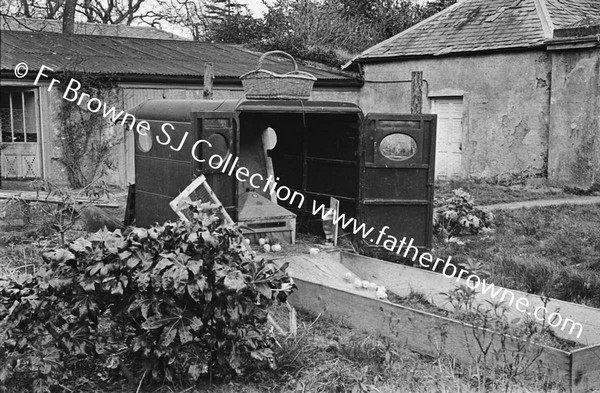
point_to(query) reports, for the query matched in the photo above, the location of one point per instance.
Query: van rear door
(219, 130)
(397, 177)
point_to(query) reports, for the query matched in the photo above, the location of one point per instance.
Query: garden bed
(322, 289)
(418, 301)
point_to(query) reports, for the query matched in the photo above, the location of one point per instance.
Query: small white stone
(381, 295)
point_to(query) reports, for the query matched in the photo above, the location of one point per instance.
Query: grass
(326, 356)
(550, 251)
(488, 194)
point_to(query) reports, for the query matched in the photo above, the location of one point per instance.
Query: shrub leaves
(179, 300)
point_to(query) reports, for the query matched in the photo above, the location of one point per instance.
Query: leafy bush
(456, 215)
(179, 300)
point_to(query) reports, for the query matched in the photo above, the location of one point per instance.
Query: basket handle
(276, 52)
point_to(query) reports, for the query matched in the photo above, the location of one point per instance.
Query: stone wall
(505, 97)
(574, 144)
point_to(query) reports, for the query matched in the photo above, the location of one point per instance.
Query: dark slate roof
(567, 13)
(145, 58)
(55, 26)
(483, 25)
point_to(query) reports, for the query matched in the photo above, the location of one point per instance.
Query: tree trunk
(68, 26)
(26, 11)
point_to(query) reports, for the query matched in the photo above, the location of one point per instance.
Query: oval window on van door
(398, 147)
(144, 141)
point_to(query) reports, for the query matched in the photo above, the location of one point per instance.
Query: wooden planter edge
(390, 274)
(435, 335)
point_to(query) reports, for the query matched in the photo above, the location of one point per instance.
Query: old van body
(379, 166)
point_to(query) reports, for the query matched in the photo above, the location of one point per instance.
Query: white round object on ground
(349, 277)
(381, 295)
(313, 250)
(373, 286)
(266, 247)
(261, 241)
(276, 247)
(358, 283)
(366, 284)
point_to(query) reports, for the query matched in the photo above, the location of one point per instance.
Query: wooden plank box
(322, 290)
(278, 229)
(260, 217)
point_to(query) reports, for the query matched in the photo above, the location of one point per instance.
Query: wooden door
(397, 173)
(19, 125)
(449, 137)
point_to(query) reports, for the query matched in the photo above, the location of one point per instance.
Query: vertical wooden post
(416, 93)
(208, 81)
(335, 204)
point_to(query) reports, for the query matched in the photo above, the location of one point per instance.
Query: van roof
(181, 110)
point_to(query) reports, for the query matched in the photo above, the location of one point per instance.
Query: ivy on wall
(85, 137)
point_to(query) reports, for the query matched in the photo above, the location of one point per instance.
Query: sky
(256, 7)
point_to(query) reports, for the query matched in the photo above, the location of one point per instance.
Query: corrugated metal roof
(481, 25)
(137, 56)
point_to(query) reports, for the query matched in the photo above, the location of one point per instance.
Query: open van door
(397, 177)
(220, 129)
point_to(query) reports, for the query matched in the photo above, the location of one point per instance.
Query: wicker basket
(264, 84)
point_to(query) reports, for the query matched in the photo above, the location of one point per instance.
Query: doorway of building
(448, 161)
(19, 151)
